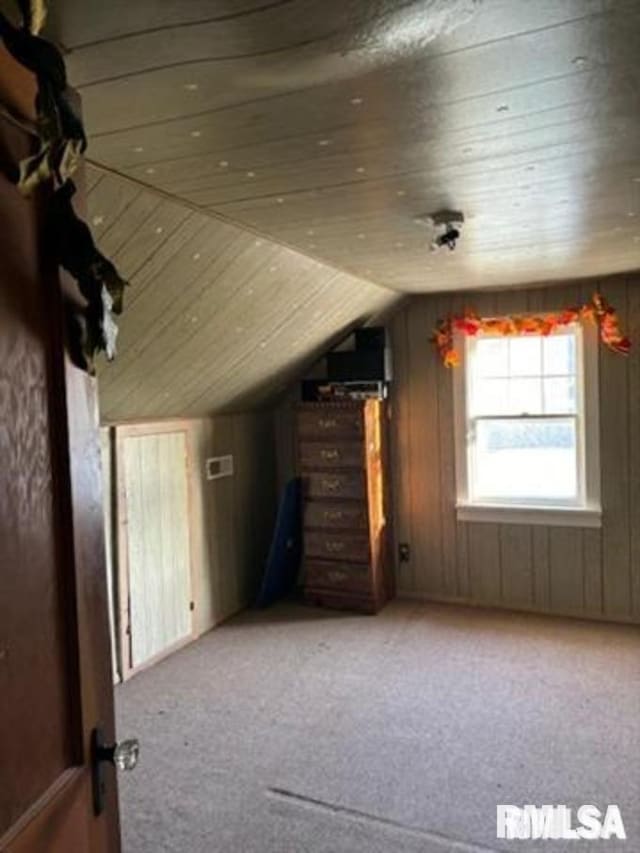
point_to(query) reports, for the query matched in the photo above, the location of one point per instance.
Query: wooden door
(55, 674)
(154, 533)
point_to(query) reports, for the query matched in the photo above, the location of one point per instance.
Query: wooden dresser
(341, 452)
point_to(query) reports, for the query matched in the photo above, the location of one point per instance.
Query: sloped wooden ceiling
(216, 318)
(332, 125)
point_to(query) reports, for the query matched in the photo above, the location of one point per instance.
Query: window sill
(551, 516)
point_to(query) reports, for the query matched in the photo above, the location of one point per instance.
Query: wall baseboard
(428, 598)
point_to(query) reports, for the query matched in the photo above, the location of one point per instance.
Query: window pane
(526, 356)
(525, 397)
(525, 460)
(491, 356)
(559, 354)
(491, 397)
(522, 396)
(559, 396)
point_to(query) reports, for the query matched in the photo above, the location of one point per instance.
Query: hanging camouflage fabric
(98, 280)
(62, 142)
(60, 127)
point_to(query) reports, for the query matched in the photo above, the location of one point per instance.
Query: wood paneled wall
(584, 572)
(233, 516)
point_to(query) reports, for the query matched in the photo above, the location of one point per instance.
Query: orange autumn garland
(597, 311)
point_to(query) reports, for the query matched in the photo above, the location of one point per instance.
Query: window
(527, 428)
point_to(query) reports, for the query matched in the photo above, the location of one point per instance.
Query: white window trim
(589, 513)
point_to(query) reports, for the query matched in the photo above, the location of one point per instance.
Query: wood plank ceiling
(330, 126)
(216, 318)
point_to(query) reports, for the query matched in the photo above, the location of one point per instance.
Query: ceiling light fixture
(446, 226)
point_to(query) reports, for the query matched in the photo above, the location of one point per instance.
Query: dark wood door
(55, 671)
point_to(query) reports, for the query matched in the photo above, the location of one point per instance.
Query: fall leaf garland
(597, 311)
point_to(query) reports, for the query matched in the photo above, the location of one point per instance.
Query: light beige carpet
(298, 731)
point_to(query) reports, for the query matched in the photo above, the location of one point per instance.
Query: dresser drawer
(351, 577)
(333, 484)
(330, 423)
(324, 454)
(335, 516)
(336, 545)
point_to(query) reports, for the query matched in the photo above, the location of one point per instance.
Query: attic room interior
(319, 426)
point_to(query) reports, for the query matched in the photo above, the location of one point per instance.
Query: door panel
(158, 552)
(36, 637)
(55, 681)
(59, 823)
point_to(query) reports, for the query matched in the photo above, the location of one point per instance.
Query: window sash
(578, 416)
(474, 378)
(525, 417)
(577, 500)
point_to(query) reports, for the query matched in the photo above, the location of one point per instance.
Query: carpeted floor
(302, 731)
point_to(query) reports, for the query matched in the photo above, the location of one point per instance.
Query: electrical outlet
(404, 552)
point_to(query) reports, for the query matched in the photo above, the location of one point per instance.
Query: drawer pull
(327, 423)
(332, 515)
(337, 577)
(334, 547)
(331, 484)
(330, 454)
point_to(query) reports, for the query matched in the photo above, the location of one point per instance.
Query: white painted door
(107, 497)
(157, 513)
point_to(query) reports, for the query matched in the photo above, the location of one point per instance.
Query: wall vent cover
(219, 466)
